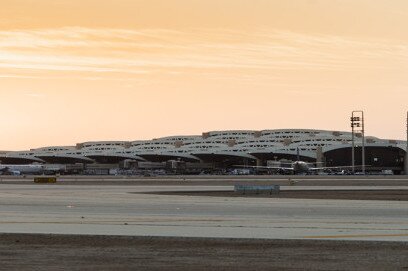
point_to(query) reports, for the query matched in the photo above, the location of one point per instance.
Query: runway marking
(355, 236)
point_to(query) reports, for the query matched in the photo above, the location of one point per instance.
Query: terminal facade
(224, 150)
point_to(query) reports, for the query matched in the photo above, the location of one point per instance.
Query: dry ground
(53, 252)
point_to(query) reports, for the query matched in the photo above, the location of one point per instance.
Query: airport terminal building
(224, 149)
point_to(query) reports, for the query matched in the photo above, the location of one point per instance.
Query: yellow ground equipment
(45, 180)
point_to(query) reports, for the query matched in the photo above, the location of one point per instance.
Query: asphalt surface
(393, 194)
(374, 180)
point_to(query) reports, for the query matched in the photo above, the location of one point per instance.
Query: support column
(319, 157)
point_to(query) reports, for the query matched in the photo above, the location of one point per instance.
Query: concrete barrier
(257, 189)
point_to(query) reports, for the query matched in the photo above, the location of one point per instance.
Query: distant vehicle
(244, 171)
(342, 172)
(387, 172)
(17, 170)
(148, 174)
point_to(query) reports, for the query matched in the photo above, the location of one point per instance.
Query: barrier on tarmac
(257, 189)
(45, 180)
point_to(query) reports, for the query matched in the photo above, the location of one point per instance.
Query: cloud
(34, 95)
(206, 51)
(11, 76)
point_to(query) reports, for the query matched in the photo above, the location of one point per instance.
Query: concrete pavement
(120, 210)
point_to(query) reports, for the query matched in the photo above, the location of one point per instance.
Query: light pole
(363, 146)
(406, 152)
(353, 161)
(357, 125)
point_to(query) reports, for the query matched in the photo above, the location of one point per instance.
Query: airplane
(17, 170)
(299, 168)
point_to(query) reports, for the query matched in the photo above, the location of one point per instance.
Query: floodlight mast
(363, 164)
(357, 121)
(352, 144)
(406, 151)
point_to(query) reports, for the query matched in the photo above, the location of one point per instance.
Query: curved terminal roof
(244, 144)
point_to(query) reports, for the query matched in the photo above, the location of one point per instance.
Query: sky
(82, 70)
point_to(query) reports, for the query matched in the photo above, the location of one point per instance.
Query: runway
(125, 210)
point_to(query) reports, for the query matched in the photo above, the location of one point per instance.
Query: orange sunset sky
(80, 70)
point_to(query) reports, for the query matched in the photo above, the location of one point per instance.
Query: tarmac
(126, 210)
